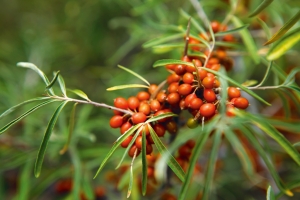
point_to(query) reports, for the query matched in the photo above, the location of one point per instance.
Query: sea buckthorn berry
(143, 96)
(184, 152)
(139, 142)
(186, 59)
(221, 54)
(188, 78)
(213, 61)
(173, 78)
(132, 151)
(151, 159)
(195, 103)
(190, 69)
(182, 104)
(116, 121)
(185, 89)
(210, 75)
(233, 92)
(189, 98)
(228, 38)
(152, 88)
(207, 110)
(179, 69)
(161, 97)
(215, 67)
(190, 143)
(229, 112)
(217, 83)
(149, 149)
(215, 25)
(138, 117)
(240, 102)
(192, 43)
(121, 102)
(170, 67)
(133, 103)
(202, 73)
(144, 108)
(171, 127)
(173, 87)
(159, 130)
(145, 130)
(116, 112)
(155, 105)
(208, 82)
(150, 171)
(173, 98)
(197, 62)
(209, 95)
(126, 142)
(192, 123)
(164, 111)
(149, 139)
(125, 127)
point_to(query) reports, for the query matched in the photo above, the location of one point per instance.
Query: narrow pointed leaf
(134, 74)
(144, 165)
(43, 147)
(270, 194)
(3, 129)
(120, 87)
(171, 161)
(293, 126)
(165, 62)
(293, 87)
(284, 28)
(21, 104)
(261, 7)
(131, 175)
(50, 85)
(291, 76)
(162, 116)
(77, 175)
(249, 83)
(247, 39)
(71, 128)
(62, 85)
(206, 43)
(163, 39)
(231, 31)
(229, 44)
(38, 71)
(284, 44)
(80, 93)
(197, 54)
(116, 145)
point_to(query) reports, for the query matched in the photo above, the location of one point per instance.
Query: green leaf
(249, 83)
(144, 165)
(293, 87)
(131, 175)
(134, 74)
(159, 117)
(163, 39)
(120, 87)
(284, 44)
(71, 128)
(228, 44)
(43, 147)
(77, 175)
(116, 144)
(285, 104)
(247, 39)
(197, 54)
(80, 93)
(293, 126)
(62, 85)
(211, 164)
(3, 129)
(87, 187)
(25, 181)
(165, 62)
(261, 7)
(201, 141)
(270, 194)
(206, 43)
(38, 71)
(284, 28)
(231, 31)
(172, 163)
(21, 104)
(50, 85)
(265, 27)
(291, 76)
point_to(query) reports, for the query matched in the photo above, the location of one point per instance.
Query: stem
(265, 87)
(230, 14)
(157, 90)
(264, 78)
(92, 103)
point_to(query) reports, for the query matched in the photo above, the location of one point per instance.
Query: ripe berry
(173, 78)
(192, 123)
(143, 96)
(116, 121)
(190, 143)
(213, 61)
(144, 108)
(188, 78)
(185, 89)
(150, 171)
(159, 130)
(208, 82)
(209, 95)
(195, 103)
(240, 102)
(215, 25)
(189, 98)
(184, 152)
(149, 149)
(228, 38)
(233, 92)
(215, 67)
(138, 117)
(173, 98)
(152, 88)
(120, 102)
(202, 73)
(207, 110)
(139, 142)
(179, 69)
(197, 62)
(145, 130)
(125, 127)
(229, 112)
(171, 127)
(170, 67)
(132, 151)
(173, 87)
(217, 83)
(149, 139)
(126, 142)
(155, 105)
(133, 103)
(161, 97)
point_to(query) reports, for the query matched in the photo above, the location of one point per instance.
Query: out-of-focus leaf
(291, 76)
(3, 129)
(87, 187)
(231, 31)
(270, 193)
(171, 161)
(115, 146)
(261, 7)
(285, 104)
(80, 93)
(43, 147)
(290, 125)
(249, 83)
(265, 27)
(134, 74)
(162, 116)
(77, 176)
(247, 39)
(21, 104)
(284, 28)
(284, 44)
(62, 85)
(24, 182)
(197, 54)
(144, 165)
(38, 71)
(163, 39)
(201, 40)
(228, 44)
(293, 87)
(165, 62)
(131, 175)
(53, 80)
(120, 87)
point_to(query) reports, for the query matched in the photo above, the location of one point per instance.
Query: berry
(173, 87)
(120, 102)
(159, 130)
(173, 78)
(143, 96)
(133, 103)
(240, 102)
(188, 78)
(207, 110)
(233, 92)
(125, 127)
(173, 98)
(126, 142)
(155, 105)
(152, 88)
(189, 98)
(171, 127)
(185, 89)
(116, 121)
(144, 108)
(209, 95)
(161, 97)
(138, 117)
(215, 25)
(208, 82)
(149, 149)
(192, 123)
(202, 73)
(179, 69)
(139, 142)
(195, 103)
(132, 151)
